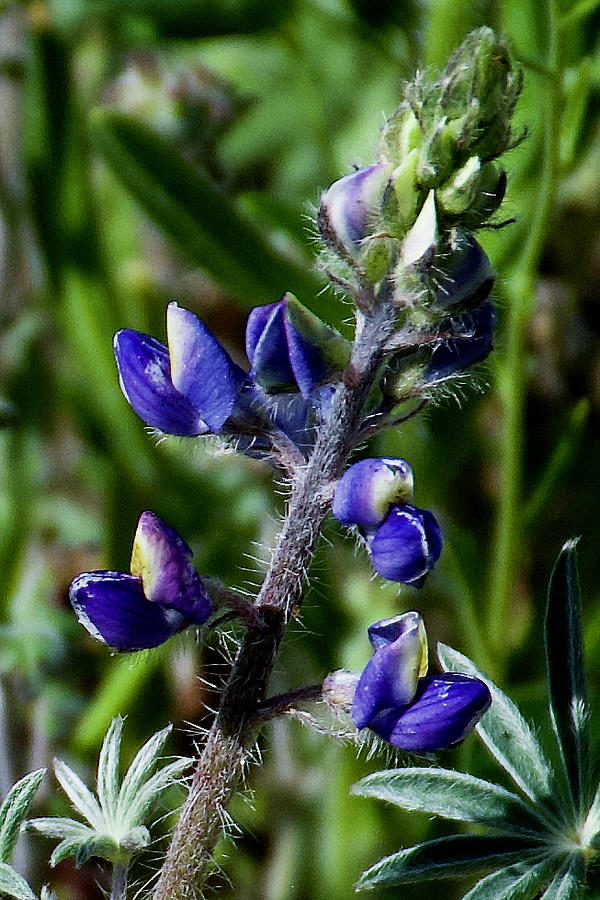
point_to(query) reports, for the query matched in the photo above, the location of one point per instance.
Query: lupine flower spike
(163, 594)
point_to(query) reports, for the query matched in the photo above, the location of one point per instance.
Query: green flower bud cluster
(437, 174)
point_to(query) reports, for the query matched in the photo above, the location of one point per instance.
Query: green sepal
(14, 809)
(456, 195)
(377, 258)
(567, 693)
(452, 795)
(508, 736)
(449, 857)
(521, 881)
(333, 347)
(14, 885)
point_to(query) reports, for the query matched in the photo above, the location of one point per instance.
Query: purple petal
(256, 324)
(476, 340)
(201, 369)
(389, 630)
(307, 361)
(406, 545)
(145, 379)
(269, 354)
(349, 203)
(390, 677)
(161, 558)
(445, 709)
(367, 489)
(113, 608)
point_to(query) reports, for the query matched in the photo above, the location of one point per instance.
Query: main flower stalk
(189, 860)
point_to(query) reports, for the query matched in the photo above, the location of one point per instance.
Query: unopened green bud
(401, 134)
(377, 259)
(401, 197)
(459, 192)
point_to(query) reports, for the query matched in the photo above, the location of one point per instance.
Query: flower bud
(421, 241)
(464, 277)
(391, 675)
(406, 546)
(367, 489)
(400, 135)
(401, 197)
(350, 205)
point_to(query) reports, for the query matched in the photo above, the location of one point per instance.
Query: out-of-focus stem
(521, 292)
(219, 768)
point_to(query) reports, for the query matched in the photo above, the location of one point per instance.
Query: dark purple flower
(162, 595)
(465, 278)
(472, 340)
(191, 388)
(396, 699)
(406, 545)
(444, 710)
(368, 488)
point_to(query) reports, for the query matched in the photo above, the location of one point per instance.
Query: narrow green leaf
(14, 809)
(453, 795)
(108, 770)
(449, 857)
(150, 790)
(201, 219)
(14, 885)
(567, 694)
(569, 883)
(60, 827)
(79, 794)
(508, 736)
(139, 770)
(521, 881)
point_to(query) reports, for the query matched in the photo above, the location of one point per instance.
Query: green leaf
(79, 794)
(569, 883)
(139, 770)
(14, 809)
(108, 771)
(60, 827)
(453, 795)
(449, 857)
(567, 694)
(521, 881)
(13, 884)
(201, 219)
(149, 791)
(508, 736)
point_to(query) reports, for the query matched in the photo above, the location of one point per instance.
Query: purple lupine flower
(376, 495)
(347, 207)
(162, 595)
(367, 489)
(193, 387)
(411, 710)
(406, 545)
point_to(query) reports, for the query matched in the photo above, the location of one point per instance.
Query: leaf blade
(451, 795)
(567, 693)
(521, 881)
(14, 809)
(200, 218)
(508, 736)
(14, 885)
(108, 770)
(448, 857)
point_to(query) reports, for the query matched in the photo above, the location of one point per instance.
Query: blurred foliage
(175, 149)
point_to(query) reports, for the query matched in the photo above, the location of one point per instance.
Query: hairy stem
(118, 888)
(219, 768)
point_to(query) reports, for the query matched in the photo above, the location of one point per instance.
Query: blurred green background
(153, 150)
